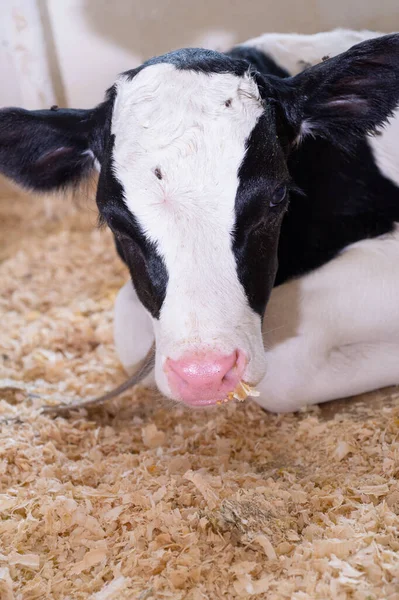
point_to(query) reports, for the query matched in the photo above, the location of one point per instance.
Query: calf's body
(331, 327)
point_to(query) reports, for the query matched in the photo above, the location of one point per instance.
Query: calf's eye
(279, 195)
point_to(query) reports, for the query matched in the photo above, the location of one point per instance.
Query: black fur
(147, 268)
(257, 60)
(346, 199)
(345, 97)
(199, 60)
(45, 149)
(257, 221)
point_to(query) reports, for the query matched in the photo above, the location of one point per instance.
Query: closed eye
(281, 192)
(260, 208)
(279, 195)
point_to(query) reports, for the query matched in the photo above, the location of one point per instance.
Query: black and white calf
(226, 176)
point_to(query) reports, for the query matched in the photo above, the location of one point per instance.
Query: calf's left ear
(345, 97)
(45, 150)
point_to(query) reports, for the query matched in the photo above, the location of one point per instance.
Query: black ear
(49, 149)
(347, 96)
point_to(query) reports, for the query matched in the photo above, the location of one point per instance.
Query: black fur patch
(198, 60)
(257, 222)
(45, 149)
(346, 199)
(258, 60)
(147, 268)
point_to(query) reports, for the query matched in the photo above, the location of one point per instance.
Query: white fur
(177, 121)
(334, 332)
(133, 330)
(294, 52)
(386, 149)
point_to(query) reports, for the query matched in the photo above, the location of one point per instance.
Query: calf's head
(192, 152)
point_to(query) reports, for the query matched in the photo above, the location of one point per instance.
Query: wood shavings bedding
(144, 499)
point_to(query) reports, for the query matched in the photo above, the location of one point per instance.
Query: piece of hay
(241, 393)
(6, 587)
(30, 561)
(204, 487)
(111, 590)
(90, 559)
(152, 437)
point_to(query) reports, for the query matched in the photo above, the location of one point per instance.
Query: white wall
(88, 60)
(88, 42)
(96, 39)
(24, 67)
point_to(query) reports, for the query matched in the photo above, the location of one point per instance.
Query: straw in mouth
(241, 393)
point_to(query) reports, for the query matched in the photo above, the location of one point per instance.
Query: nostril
(232, 372)
(229, 375)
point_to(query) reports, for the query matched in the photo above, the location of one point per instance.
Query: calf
(226, 176)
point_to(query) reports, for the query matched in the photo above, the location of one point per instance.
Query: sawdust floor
(146, 500)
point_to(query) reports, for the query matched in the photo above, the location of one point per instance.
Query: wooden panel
(23, 58)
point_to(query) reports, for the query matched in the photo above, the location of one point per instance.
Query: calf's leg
(133, 330)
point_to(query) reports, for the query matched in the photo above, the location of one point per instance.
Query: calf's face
(199, 180)
(192, 150)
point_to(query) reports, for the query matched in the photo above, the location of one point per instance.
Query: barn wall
(71, 50)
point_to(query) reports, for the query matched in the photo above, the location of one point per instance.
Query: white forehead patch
(179, 141)
(180, 138)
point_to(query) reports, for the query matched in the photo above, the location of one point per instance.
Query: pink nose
(201, 379)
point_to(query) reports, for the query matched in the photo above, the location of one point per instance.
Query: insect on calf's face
(195, 168)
